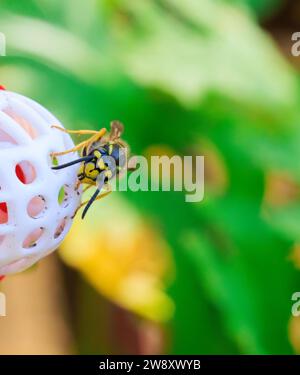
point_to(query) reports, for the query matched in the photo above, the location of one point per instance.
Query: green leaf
(190, 49)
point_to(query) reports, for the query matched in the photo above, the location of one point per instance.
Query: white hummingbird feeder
(36, 203)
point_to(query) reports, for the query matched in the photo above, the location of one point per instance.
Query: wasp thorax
(108, 159)
(102, 158)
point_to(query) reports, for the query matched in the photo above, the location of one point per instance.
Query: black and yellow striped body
(102, 158)
(107, 158)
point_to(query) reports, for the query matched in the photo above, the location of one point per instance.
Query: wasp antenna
(101, 181)
(86, 158)
(90, 202)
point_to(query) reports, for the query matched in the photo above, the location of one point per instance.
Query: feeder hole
(53, 160)
(64, 195)
(60, 228)
(36, 207)
(3, 213)
(25, 172)
(32, 239)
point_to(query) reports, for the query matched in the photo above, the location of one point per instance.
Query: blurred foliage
(123, 258)
(196, 76)
(262, 8)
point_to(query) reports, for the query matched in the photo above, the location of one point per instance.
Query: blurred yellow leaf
(294, 333)
(122, 257)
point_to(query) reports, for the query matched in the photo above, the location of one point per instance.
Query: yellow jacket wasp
(101, 159)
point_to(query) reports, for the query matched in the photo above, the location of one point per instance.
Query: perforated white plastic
(36, 202)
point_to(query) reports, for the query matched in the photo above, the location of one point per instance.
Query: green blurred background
(158, 275)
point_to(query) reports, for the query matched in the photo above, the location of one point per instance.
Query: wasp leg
(94, 138)
(95, 199)
(77, 185)
(86, 188)
(74, 149)
(80, 132)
